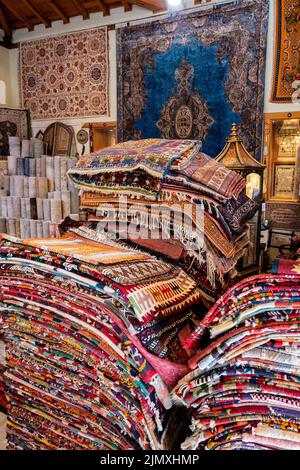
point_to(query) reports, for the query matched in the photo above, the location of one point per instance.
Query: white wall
(5, 74)
(118, 15)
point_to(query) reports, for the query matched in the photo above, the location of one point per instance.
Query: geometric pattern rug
(13, 122)
(190, 76)
(287, 52)
(66, 75)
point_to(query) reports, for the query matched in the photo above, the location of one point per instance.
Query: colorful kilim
(209, 173)
(244, 387)
(182, 182)
(98, 332)
(82, 369)
(286, 266)
(133, 166)
(3, 402)
(150, 287)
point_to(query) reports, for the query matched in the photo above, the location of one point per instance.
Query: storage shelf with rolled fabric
(36, 194)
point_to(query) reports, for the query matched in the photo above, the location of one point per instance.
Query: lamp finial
(233, 137)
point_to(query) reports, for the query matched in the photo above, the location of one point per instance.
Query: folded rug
(244, 387)
(93, 334)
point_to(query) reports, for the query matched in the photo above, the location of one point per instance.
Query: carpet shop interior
(150, 225)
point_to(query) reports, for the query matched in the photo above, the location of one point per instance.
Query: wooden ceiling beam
(84, 13)
(127, 6)
(11, 7)
(103, 7)
(4, 25)
(154, 5)
(58, 11)
(37, 14)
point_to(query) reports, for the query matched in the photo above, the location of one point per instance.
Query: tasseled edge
(167, 196)
(211, 269)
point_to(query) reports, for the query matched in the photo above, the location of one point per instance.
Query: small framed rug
(286, 86)
(13, 122)
(279, 238)
(283, 215)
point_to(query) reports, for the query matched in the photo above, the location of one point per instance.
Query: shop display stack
(244, 387)
(3, 403)
(35, 194)
(168, 197)
(78, 376)
(97, 331)
(3, 173)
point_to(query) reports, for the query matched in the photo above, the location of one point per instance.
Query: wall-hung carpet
(191, 76)
(66, 75)
(13, 122)
(287, 52)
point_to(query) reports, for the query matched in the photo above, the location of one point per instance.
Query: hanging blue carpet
(190, 76)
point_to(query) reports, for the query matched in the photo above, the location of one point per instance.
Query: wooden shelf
(102, 134)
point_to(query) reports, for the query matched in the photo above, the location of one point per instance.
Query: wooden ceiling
(29, 13)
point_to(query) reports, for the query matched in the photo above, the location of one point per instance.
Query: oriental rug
(283, 215)
(66, 75)
(13, 122)
(190, 76)
(286, 87)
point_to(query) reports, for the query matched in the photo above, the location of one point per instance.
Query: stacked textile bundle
(32, 204)
(176, 201)
(93, 336)
(245, 385)
(3, 403)
(25, 147)
(97, 332)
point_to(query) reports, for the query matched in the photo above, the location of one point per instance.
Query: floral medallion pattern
(66, 75)
(185, 114)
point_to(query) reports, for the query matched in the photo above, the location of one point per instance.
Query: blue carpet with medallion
(191, 76)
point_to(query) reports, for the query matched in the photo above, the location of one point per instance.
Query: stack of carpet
(244, 387)
(97, 328)
(87, 327)
(2, 369)
(167, 197)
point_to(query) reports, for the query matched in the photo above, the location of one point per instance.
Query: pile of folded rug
(2, 368)
(93, 336)
(100, 325)
(167, 197)
(244, 387)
